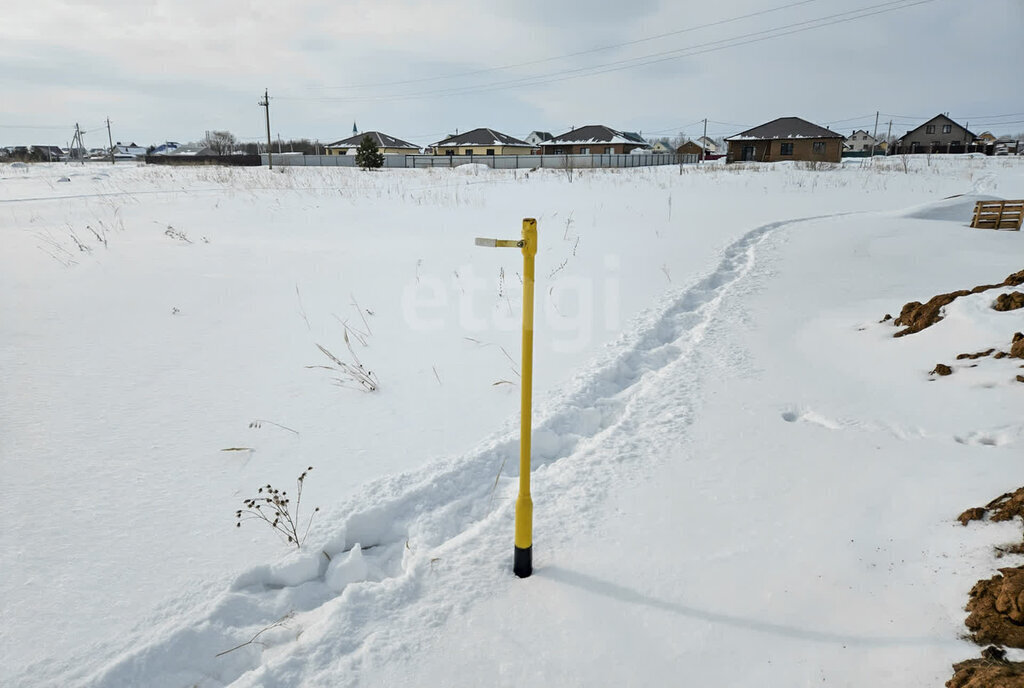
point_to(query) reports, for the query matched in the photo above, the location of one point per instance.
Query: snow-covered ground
(740, 477)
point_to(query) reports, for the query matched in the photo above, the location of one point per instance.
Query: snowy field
(739, 476)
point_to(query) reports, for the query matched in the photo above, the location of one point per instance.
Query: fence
(498, 162)
(232, 160)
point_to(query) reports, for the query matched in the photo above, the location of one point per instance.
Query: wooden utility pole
(110, 140)
(888, 139)
(265, 103)
(704, 140)
(874, 136)
(77, 141)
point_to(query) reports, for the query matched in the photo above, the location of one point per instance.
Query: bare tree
(222, 142)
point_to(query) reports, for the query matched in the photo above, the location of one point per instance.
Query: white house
(708, 145)
(860, 140)
(538, 137)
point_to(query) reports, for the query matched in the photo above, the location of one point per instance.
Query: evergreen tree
(368, 156)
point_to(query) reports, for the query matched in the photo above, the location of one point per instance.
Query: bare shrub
(275, 508)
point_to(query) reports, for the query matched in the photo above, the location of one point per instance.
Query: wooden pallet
(998, 214)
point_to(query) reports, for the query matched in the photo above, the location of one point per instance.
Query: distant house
(192, 151)
(538, 137)
(594, 139)
(662, 147)
(690, 148)
(940, 134)
(786, 138)
(709, 145)
(127, 151)
(861, 140)
(482, 141)
(986, 137)
(165, 148)
(388, 145)
(47, 153)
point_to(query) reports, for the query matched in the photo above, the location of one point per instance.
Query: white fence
(500, 162)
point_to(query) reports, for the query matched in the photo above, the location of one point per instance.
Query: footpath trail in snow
(708, 487)
(347, 589)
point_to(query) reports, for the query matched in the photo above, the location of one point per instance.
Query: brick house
(594, 139)
(786, 138)
(387, 145)
(940, 134)
(482, 141)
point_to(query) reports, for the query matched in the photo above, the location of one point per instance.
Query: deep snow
(739, 476)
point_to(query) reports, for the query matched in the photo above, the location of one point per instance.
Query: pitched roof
(934, 120)
(542, 135)
(786, 128)
(382, 141)
(482, 137)
(596, 133)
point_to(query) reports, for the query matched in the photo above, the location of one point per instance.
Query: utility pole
(265, 103)
(874, 137)
(110, 140)
(77, 141)
(704, 140)
(888, 139)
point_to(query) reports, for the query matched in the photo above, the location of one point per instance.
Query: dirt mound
(1009, 302)
(941, 369)
(1004, 508)
(1017, 347)
(916, 316)
(979, 354)
(990, 671)
(996, 609)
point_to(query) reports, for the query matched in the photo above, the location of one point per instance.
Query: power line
(578, 53)
(653, 58)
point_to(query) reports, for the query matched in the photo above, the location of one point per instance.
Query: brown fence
(232, 160)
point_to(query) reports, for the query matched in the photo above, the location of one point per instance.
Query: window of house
(584, 150)
(449, 151)
(469, 151)
(490, 151)
(609, 150)
(819, 147)
(787, 149)
(947, 128)
(930, 129)
(558, 151)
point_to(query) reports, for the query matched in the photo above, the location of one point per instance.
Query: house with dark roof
(47, 153)
(940, 134)
(594, 139)
(388, 145)
(786, 138)
(482, 141)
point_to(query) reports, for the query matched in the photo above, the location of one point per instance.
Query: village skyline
(164, 74)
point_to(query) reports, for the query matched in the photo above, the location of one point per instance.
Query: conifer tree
(368, 156)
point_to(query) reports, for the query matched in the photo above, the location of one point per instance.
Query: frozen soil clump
(1002, 508)
(991, 670)
(996, 607)
(916, 316)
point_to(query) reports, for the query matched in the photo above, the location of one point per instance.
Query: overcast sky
(172, 69)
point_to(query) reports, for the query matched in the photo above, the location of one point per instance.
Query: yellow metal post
(522, 564)
(523, 561)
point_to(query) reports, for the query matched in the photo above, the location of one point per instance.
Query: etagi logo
(569, 309)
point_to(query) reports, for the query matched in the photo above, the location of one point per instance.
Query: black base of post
(522, 565)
